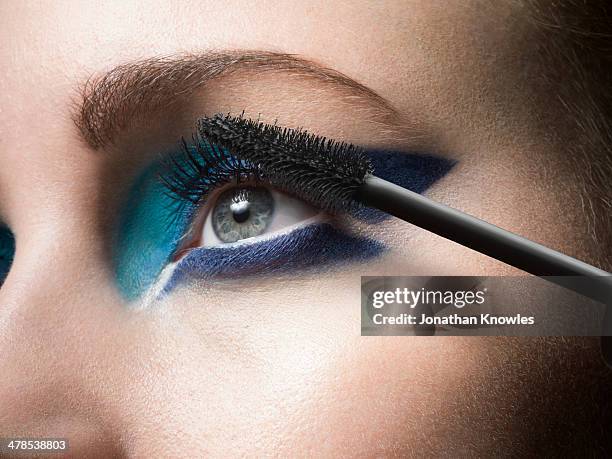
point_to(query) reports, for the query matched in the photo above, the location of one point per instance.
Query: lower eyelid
(187, 249)
(319, 218)
(316, 245)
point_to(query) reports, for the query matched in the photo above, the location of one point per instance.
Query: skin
(270, 370)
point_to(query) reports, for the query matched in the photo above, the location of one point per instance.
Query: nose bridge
(55, 304)
(58, 307)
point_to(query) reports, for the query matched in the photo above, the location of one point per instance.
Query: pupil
(240, 211)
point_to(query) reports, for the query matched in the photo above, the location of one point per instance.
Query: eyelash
(193, 173)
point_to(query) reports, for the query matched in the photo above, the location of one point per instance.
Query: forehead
(449, 65)
(424, 42)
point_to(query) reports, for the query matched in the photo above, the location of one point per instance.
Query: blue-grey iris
(241, 213)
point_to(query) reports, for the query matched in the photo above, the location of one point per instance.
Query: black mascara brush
(338, 176)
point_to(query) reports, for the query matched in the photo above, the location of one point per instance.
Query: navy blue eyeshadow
(312, 246)
(416, 172)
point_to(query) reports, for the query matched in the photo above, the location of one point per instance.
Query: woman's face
(256, 363)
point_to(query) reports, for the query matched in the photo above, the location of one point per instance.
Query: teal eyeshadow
(7, 251)
(151, 226)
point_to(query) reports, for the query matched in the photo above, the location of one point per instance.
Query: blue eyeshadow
(312, 246)
(7, 251)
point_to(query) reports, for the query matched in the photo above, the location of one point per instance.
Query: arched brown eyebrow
(111, 101)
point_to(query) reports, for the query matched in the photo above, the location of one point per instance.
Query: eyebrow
(110, 102)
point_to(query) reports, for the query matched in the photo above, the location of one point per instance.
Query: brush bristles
(321, 171)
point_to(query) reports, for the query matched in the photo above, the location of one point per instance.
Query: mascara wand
(338, 176)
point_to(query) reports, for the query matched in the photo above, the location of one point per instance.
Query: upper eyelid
(415, 171)
(183, 171)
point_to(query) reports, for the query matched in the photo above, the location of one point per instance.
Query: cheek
(383, 395)
(277, 368)
(282, 366)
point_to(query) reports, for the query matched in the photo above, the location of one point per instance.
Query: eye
(243, 213)
(167, 219)
(7, 251)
